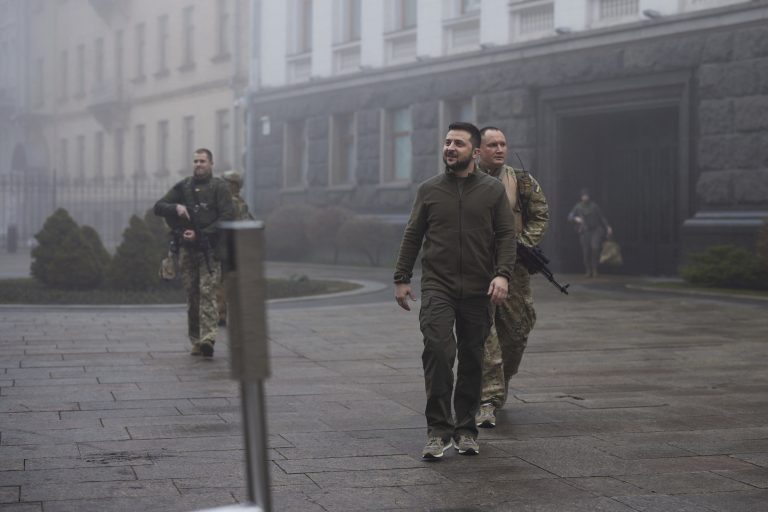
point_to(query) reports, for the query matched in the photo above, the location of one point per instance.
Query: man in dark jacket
(465, 221)
(192, 208)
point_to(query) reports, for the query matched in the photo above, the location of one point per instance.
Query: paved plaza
(627, 401)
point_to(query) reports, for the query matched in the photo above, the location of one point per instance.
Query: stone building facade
(111, 98)
(663, 116)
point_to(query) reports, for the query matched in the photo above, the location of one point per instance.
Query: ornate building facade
(660, 107)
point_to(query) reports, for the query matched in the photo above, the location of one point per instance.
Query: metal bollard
(245, 290)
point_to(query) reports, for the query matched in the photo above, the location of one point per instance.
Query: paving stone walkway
(625, 402)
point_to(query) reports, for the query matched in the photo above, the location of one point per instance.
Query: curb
(365, 288)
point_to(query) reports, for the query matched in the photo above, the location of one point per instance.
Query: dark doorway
(629, 160)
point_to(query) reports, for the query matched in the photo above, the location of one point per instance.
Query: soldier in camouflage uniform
(516, 317)
(192, 208)
(234, 183)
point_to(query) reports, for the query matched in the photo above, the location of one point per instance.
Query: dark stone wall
(728, 116)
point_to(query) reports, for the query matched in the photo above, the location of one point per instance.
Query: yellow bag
(168, 268)
(611, 254)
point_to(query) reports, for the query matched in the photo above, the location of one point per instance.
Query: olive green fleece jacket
(468, 234)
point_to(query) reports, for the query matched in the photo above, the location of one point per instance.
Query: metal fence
(106, 205)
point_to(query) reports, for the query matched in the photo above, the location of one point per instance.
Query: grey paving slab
(91, 490)
(624, 402)
(9, 494)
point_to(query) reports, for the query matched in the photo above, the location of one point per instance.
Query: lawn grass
(29, 291)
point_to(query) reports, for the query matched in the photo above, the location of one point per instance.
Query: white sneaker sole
(430, 456)
(487, 424)
(471, 451)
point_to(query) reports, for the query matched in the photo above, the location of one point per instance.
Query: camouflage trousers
(201, 286)
(504, 347)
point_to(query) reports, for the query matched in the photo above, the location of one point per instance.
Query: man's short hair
(487, 129)
(474, 133)
(207, 152)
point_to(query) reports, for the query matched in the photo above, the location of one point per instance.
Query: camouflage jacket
(529, 206)
(241, 208)
(214, 204)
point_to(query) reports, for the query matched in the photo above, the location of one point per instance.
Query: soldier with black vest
(192, 208)
(515, 317)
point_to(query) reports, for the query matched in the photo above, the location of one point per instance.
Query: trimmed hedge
(726, 266)
(67, 256)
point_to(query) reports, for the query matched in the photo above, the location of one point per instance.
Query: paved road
(625, 402)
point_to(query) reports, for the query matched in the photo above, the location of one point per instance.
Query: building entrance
(629, 161)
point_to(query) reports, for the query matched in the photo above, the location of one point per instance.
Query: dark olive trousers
(471, 318)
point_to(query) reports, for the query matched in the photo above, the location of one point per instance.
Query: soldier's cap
(234, 177)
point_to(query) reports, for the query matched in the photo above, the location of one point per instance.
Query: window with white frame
(398, 150)
(400, 28)
(222, 28)
(606, 12)
(119, 57)
(162, 46)
(453, 110)
(98, 61)
(461, 25)
(343, 155)
(188, 143)
(140, 35)
(140, 150)
(63, 75)
(531, 20)
(347, 31)
(163, 136)
(119, 153)
(299, 32)
(98, 154)
(295, 154)
(188, 38)
(223, 138)
(347, 20)
(80, 71)
(404, 15)
(80, 171)
(64, 158)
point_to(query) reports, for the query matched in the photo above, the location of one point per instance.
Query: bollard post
(245, 290)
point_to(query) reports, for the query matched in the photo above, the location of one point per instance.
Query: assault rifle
(535, 261)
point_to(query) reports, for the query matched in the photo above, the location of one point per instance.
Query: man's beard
(459, 166)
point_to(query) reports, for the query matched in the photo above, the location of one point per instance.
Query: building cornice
(755, 13)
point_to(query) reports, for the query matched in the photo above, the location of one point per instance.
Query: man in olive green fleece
(206, 201)
(464, 219)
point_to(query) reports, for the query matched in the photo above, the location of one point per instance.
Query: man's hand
(181, 211)
(402, 293)
(189, 235)
(498, 290)
(609, 232)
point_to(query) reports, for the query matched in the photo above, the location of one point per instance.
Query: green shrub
(136, 260)
(286, 232)
(726, 266)
(49, 239)
(67, 256)
(93, 240)
(160, 233)
(75, 264)
(368, 236)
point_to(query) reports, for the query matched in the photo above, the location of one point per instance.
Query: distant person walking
(592, 228)
(463, 218)
(192, 208)
(234, 182)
